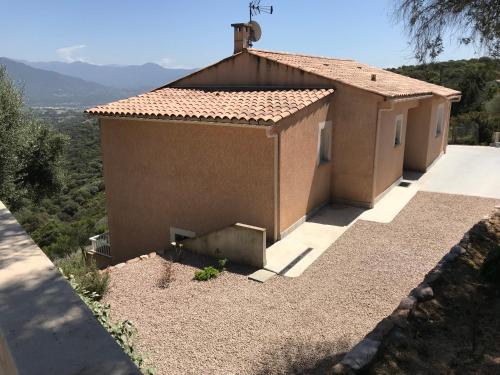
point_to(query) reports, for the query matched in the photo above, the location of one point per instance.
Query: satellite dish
(256, 31)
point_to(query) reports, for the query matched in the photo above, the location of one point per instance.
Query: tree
(428, 21)
(493, 106)
(30, 153)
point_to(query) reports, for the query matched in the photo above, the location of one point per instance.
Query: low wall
(240, 243)
(45, 327)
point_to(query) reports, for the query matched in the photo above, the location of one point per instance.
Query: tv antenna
(255, 8)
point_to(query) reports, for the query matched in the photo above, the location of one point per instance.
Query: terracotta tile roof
(256, 106)
(356, 74)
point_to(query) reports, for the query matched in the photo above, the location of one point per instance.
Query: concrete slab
(391, 204)
(465, 170)
(261, 275)
(297, 251)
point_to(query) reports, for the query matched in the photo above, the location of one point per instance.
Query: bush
(85, 275)
(206, 273)
(123, 332)
(491, 266)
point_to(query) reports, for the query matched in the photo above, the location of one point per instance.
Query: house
(261, 138)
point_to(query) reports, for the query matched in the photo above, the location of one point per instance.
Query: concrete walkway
(45, 328)
(465, 170)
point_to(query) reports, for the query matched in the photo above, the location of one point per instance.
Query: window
(177, 235)
(325, 142)
(439, 119)
(398, 130)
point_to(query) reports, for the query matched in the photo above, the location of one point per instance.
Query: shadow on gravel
(305, 358)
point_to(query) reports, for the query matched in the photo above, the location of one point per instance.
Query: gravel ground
(233, 325)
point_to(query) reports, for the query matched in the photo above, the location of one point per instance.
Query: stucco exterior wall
(245, 69)
(354, 118)
(303, 184)
(422, 146)
(437, 143)
(192, 176)
(389, 158)
(353, 113)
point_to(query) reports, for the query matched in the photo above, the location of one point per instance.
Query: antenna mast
(255, 8)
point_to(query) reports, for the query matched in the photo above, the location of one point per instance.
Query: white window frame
(325, 135)
(439, 119)
(398, 130)
(181, 232)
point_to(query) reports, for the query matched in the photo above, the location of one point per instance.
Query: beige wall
(353, 113)
(245, 69)
(389, 157)
(303, 184)
(422, 146)
(354, 117)
(191, 176)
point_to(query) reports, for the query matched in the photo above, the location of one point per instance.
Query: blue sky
(195, 33)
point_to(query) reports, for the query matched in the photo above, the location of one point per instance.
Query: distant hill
(135, 77)
(43, 88)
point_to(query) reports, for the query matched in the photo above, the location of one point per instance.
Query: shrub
(491, 266)
(206, 273)
(85, 274)
(123, 332)
(221, 264)
(167, 276)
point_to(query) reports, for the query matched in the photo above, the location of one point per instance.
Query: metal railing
(100, 244)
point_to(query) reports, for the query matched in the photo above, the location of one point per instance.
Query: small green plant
(178, 251)
(206, 273)
(86, 274)
(221, 264)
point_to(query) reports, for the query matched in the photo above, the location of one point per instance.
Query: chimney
(241, 36)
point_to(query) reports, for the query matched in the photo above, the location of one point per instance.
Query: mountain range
(79, 84)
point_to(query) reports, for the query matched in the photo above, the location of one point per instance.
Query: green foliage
(30, 153)
(206, 273)
(123, 332)
(221, 264)
(491, 266)
(493, 105)
(85, 274)
(428, 22)
(475, 78)
(478, 128)
(62, 223)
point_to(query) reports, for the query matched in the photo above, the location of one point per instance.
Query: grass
(86, 274)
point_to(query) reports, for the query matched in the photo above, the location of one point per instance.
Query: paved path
(466, 170)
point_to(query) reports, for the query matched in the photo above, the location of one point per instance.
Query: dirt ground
(457, 332)
(232, 325)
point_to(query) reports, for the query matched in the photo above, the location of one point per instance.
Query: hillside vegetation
(477, 115)
(62, 223)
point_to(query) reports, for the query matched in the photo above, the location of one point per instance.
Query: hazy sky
(195, 33)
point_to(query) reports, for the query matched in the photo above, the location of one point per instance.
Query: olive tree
(31, 154)
(470, 21)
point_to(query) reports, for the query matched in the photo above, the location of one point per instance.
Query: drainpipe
(383, 106)
(272, 133)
